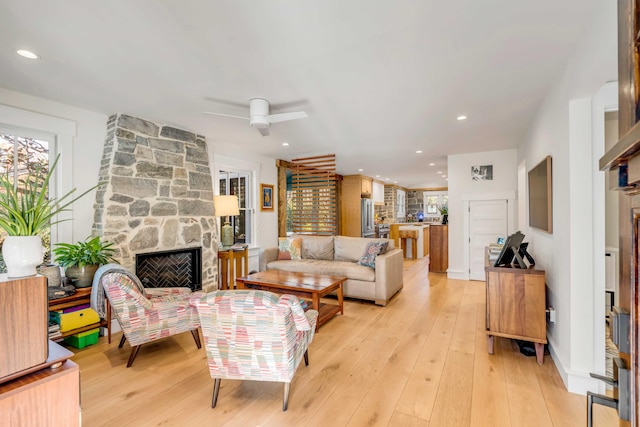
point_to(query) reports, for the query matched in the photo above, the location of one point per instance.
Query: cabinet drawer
(75, 319)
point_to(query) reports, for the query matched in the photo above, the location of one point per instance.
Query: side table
(82, 296)
(232, 264)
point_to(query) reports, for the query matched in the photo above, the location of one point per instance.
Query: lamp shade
(226, 205)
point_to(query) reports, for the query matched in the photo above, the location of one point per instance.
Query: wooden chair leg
(306, 358)
(196, 337)
(132, 356)
(216, 389)
(122, 340)
(108, 319)
(285, 403)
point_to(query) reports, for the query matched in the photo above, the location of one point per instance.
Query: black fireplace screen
(176, 268)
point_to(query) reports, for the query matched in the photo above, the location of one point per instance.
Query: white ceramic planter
(22, 254)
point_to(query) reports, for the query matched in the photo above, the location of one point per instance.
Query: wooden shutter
(314, 196)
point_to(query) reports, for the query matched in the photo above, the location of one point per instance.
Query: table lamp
(226, 206)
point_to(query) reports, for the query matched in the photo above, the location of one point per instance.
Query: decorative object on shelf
(52, 273)
(444, 211)
(226, 206)
(266, 197)
(82, 259)
(25, 212)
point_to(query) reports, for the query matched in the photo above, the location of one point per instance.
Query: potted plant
(444, 211)
(26, 210)
(82, 259)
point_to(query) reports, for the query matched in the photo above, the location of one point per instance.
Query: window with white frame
(21, 152)
(434, 201)
(239, 183)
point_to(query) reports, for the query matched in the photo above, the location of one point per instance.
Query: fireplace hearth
(175, 268)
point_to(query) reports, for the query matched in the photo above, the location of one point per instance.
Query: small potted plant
(82, 259)
(26, 211)
(444, 211)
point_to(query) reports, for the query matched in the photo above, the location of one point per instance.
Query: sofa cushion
(368, 259)
(351, 248)
(289, 248)
(349, 270)
(317, 247)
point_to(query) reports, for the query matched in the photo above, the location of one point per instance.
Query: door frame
(509, 196)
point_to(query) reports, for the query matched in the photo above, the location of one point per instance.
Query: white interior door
(487, 222)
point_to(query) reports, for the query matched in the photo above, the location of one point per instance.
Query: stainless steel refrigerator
(368, 228)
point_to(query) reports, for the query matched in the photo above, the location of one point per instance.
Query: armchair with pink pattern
(146, 318)
(254, 335)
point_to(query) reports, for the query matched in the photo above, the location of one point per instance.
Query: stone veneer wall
(415, 203)
(158, 193)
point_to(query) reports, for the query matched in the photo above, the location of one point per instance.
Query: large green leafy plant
(26, 209)
(90, 252)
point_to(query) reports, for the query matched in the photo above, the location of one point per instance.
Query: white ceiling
(379, 79)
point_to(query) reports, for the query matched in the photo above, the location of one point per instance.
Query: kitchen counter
(423, 236)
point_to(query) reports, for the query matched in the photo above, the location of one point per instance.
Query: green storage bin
(83, 339)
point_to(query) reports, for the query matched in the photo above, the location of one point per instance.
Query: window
(239, 184)
(433, 202)
(21, 151)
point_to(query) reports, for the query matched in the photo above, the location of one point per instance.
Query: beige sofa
(339, 256)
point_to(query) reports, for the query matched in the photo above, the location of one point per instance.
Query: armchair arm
(266, 256)
(299, 317)
(158, 292)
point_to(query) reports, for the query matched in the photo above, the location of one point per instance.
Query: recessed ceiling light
(447, 179)
(285, 144)
(439, 172)
(387, 179)
(377, 176)
(463, 117)
(418, 151)
(27, 54)
(444, 176)
(395, 182)
(432, 164)
(360, 170)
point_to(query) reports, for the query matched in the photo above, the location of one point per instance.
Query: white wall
(86, 153)
(557, 131)
(266, 223)
(462, 187)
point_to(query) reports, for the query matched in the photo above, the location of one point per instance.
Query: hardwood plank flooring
(421, 361)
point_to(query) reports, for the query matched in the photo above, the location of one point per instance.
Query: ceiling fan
(260, 118)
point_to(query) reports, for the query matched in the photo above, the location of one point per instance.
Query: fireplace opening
(175, 268)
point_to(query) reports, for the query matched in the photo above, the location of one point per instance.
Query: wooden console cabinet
(438, 248)
(46, 395)
(516, 306)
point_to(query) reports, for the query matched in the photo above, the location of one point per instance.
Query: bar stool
(409, 234)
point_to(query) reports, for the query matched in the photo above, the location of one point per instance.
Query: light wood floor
(420, 361)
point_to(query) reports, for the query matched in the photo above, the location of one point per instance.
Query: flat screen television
(540, 196)
(507, 254)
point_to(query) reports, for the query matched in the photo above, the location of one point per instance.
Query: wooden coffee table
(305, 285)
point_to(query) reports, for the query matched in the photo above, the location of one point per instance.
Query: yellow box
(75, 319)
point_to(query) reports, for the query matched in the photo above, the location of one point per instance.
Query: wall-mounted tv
(540, 196)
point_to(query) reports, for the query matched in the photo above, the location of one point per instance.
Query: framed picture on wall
(266, 197)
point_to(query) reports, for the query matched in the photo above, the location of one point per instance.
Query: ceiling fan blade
(300, 104)
(275, 118)
(226, 115)
(264, 131)
(226, 102)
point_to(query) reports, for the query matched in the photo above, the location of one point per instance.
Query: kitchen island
(423, 237)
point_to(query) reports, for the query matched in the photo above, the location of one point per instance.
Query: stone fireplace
(158, 193)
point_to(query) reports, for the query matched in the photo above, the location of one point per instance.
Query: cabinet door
(366, 188)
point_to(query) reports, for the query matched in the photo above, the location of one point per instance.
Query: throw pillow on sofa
(289, 249)
(372, 250)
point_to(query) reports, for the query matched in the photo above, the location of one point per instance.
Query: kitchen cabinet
(378, 193)
(350, 205)
(401, 203)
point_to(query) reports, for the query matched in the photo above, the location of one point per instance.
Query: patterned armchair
(145, 318)
(254, 335)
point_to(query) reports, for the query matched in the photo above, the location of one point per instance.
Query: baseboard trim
(578, 382)
(457, 274)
